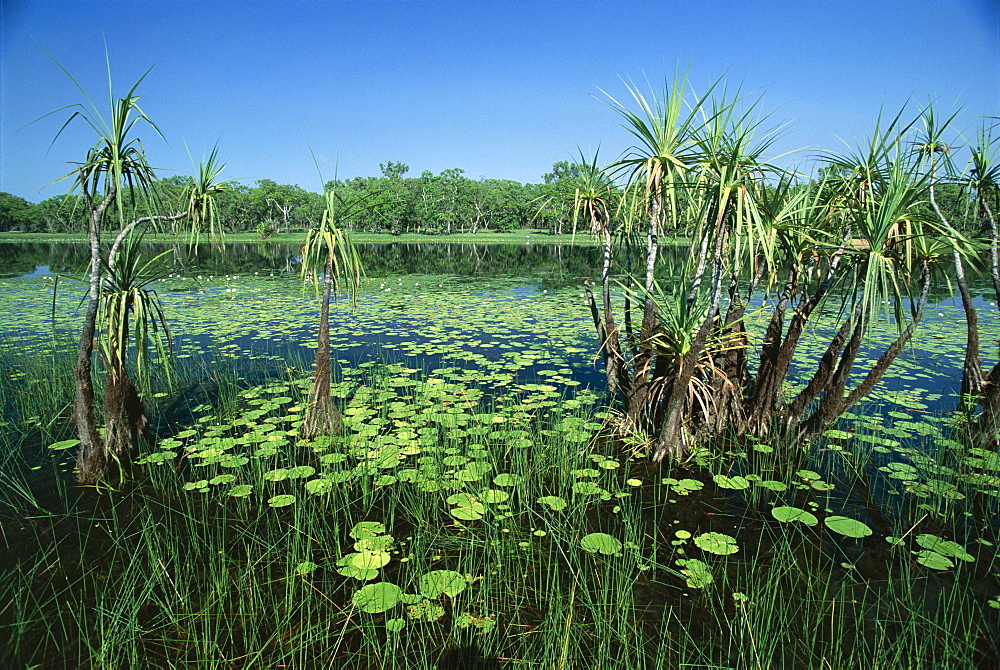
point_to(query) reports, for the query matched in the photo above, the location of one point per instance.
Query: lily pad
(507, 479)
(944, 547)
(600, 543)
(377, 597)
(436, 583)
(281, 501)
(933, 560)
(64, 444)
(305, 568)
(725, 482)
(790, 514)
(367, 529)
(554, 502)
(717, 543)
(843, 525)
(696, 573)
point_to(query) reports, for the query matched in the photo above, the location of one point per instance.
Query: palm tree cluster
(860, 245)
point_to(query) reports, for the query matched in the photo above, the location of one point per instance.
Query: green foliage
(17, 214)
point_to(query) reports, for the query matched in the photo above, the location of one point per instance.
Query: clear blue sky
(500, 89)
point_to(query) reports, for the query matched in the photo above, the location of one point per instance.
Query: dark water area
(552, 263)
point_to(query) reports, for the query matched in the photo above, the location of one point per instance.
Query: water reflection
(550, 261)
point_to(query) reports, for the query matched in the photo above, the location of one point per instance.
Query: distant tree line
(394, 203)
(448, 202)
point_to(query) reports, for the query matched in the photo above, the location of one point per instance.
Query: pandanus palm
(327, 253)
(130, 313)
(593, 201)
(116, 163)
(699, 172)
(980, 388)
(200, 193)
(657, 168)
(114, 166)
(890, 252)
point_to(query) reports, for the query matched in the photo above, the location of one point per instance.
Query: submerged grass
(448, 526)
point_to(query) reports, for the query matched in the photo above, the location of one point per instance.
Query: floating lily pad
(281, 500)
(726, 482)
(683, 486)
(716, 543)
(696, 573)
(425, 610)
(933, 560)
(554, 502)
(843, 525)
(64, 444)
(600, 543)
(494, 496)
(367, 529)
(790, 514)
(305, 568)
(375, 598)
(507, 479)
(436, 583)
(944, 547)
(588, 488)
(369, 560)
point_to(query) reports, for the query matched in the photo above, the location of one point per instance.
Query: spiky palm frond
(131, 310)
(200, 194)
(329, 243)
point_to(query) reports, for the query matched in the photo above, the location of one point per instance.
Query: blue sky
(500, 89)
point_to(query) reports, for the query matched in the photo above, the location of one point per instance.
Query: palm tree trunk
(834, 403)
(972, 368)
(91, 457)
(322, 417)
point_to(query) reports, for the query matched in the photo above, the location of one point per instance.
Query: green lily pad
(944, 547)
(725, 482)
(790, 514)
(507, 479)
(369, 560)
(64, 444)
(495, 496)
(933, 560)
(436, 583)
(425, 610)
(281, 501)
(367, 529)
(843, 525)
(305, 568)
(377, 597)
(600, 543)
(555, 503)
(717, 543)
(696, 573)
